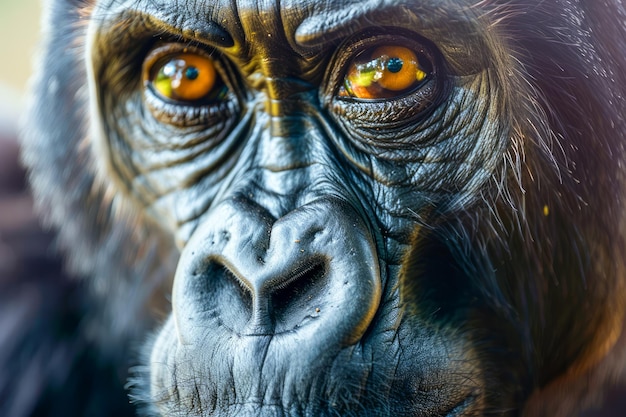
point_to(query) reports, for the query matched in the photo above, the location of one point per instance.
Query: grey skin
(444, 251)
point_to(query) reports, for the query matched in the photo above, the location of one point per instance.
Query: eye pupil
(394, 65)
(192, 73)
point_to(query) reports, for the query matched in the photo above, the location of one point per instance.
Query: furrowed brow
(163, 19)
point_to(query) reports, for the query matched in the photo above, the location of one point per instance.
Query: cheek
(173, 173)
(438, 164)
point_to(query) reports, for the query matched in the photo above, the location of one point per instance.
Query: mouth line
(459, 409)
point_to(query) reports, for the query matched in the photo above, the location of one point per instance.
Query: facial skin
(373, 211)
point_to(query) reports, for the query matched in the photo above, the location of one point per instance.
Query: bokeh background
(19, 31)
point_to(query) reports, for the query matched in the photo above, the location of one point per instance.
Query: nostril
(216, 287)
(289, 302)
(301, 297)
(241, 272)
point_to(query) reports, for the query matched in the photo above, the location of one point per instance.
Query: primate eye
(385, 72)
(185, 76)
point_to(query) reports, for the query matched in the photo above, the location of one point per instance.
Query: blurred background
(19, 31)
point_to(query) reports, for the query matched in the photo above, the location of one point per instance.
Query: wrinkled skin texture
(455, 249)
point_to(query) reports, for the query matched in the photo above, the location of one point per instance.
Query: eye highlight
(385, 72)
(184, 76)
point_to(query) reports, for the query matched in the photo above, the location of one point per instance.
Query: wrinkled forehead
(456, 25)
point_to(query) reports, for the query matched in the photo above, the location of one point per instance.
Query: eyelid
(164, 49)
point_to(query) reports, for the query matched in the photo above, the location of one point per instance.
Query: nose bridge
(288, 96)
(285, 84)
(287, 143)
(283, 74)
(292, 170)
(289, 102)
(290, 154)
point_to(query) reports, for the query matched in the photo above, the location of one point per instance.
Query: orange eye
(385, 72)
(401, 69)
(184, 77)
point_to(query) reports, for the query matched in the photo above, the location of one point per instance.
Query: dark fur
(49, 364)
(562, 68)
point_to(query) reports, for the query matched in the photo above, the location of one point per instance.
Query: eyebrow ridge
(160, 21)
(331, 25)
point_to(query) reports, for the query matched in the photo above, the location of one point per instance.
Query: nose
(310, 274)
